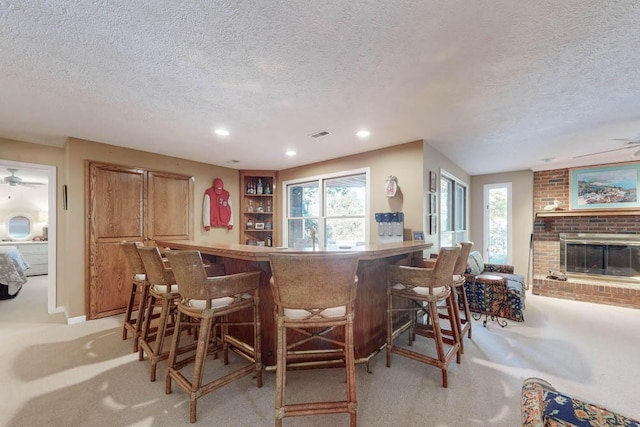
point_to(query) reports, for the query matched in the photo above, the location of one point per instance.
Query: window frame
(322, 217)
(458, 232)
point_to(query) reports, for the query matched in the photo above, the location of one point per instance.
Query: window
(19, 227)
(453, 210)
(334, 206)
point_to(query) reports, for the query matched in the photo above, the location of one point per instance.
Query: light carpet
(54, 374)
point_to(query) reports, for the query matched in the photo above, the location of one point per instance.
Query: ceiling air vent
(320, 134)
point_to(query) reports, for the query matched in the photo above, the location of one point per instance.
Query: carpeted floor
(54, 374)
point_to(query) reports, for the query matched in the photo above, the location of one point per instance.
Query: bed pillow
(475, 264)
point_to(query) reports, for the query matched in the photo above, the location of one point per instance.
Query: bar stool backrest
(308, 281)
(157, 273)
(461, 262)
(193, 283)
(133, 258)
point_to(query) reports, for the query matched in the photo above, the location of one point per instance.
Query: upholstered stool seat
(221, 309)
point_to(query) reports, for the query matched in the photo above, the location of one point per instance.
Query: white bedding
(12, 268)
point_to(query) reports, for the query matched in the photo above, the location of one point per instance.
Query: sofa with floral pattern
(544, 406)
(507, 301)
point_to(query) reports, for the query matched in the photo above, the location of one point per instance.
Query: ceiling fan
(628, 143)
(14, 180)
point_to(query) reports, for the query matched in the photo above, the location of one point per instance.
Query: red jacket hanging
(216, 207)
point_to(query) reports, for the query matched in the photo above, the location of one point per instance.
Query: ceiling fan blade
(605, 151)
(32, 184)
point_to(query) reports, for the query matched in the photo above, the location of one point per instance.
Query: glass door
(497, 223)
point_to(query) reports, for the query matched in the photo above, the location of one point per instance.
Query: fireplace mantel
(587, 212)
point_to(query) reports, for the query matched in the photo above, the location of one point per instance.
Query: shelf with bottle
(259, 186)
(258, 205)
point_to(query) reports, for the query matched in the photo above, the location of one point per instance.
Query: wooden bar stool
(314, 294)
(458, 281)
(205, 304)
(163, 295)
(423, 289)
(139, 288)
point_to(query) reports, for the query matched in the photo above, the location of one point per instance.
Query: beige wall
(436, 162)
(70, 161)
(522, 213)
(410, 163)
(404, 161)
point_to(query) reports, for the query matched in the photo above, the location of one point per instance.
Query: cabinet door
(170, 206)
(133, 205)
(116, 213)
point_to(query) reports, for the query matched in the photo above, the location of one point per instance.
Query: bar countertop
(261, 253)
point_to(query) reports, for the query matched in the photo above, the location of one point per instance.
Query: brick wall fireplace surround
(554, 185)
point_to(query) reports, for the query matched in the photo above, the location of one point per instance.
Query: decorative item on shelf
(251, 242)
(269, 240)
(249, 224)
(259, 188)
(553, 206)
(268, 225)
(260, 242)
(260, 207)
(259, 225)
(267, 188)
(249, 205)
(391, 186)
(268, 206)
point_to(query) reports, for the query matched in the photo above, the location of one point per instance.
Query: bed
(12, 271)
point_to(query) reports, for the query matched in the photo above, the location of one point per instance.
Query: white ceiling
(495, 86)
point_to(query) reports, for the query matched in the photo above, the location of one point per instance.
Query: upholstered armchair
(508, 301)
(542, 406)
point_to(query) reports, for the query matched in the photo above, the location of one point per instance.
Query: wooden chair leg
(173, 352)
(437, 332)
(146, 326)
(281, 371)
(351, 371)
(454, 316)
(466, 311)
(133, 290)
(389, 326)
(257, 348)
(142, 312)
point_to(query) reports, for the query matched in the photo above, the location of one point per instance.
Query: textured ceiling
(495, 86)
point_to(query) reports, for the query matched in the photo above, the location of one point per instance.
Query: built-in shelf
(590, 212)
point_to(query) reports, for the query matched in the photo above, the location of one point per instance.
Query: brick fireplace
(554, 185)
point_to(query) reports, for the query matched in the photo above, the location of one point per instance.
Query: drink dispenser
(390, 226)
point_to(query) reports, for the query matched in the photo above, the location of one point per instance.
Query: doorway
(45, 217)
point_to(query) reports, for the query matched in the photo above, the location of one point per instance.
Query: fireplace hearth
(614, 256)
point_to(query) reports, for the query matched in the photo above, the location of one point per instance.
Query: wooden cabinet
(257, 207)
(133, 205)
(37, 255)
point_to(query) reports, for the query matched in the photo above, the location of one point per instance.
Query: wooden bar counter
(370, 306)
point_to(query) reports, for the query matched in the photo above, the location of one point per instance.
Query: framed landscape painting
(611, 187)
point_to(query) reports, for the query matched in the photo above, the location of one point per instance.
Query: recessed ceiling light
(222, 132)
(290, 153)
(363, 133)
